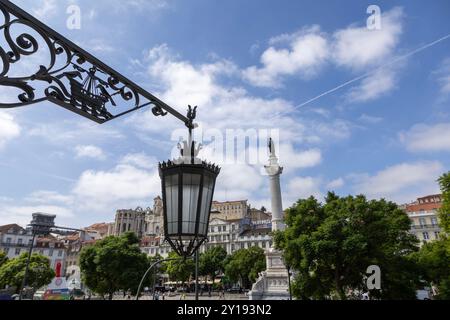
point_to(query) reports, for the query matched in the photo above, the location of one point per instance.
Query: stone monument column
(274, 171)
(273, 283)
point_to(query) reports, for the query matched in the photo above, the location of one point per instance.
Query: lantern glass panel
(191, 190)
(172, 186)
(208, 186)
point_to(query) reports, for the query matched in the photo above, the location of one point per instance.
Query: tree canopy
(244, 265)
(331, 245)
(434, 257)
(179, 269)
(39, 273)
(113, 264)
(444, 212)
(3, 258)
(211, 263)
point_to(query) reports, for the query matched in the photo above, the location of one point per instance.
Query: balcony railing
(425, 226)
(10, 244)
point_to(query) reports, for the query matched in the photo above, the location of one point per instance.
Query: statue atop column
(273, 283)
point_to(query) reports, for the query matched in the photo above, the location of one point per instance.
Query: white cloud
(358, 47)
(374, 86)
(140, 160)
(22, 214)
(302, 188)
(402, 182)
(443, 76)
(9, 128)
(89, 151)
(238, 181)
(73, 132)
(307, 52)
(45, 197)
(370, 119)
(123, 186)
(336, 184)
(292, 159)
(427, 138)
(45, 9)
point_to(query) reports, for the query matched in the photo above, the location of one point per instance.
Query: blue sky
(248, 65)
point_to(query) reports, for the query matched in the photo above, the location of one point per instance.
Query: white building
(15, 240)
(237, 227)
(423, 214)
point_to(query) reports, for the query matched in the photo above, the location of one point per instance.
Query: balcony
(12, 245)
(425, 226)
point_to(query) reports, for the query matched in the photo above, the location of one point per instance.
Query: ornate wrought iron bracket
(72, 78)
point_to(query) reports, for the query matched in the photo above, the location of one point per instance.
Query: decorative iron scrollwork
(72, 78)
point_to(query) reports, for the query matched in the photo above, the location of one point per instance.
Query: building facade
(424, 217)
(54, 249)
(15, 240)
(233, 225)
(141, 222)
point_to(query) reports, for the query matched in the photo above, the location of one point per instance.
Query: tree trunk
(111, 296)
(339, 289)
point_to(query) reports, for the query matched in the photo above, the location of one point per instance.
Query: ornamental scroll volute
(63, 76)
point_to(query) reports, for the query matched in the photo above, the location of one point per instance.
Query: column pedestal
(273, 283)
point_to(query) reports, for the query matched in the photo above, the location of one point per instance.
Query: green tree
(179, 269)
(434, 258)
(39, 272)
(3, 258)
(211, 263)
(244, 265)
(331, 245)
(113, 264)
(444, 212)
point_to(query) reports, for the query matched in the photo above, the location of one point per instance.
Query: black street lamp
(188, 185)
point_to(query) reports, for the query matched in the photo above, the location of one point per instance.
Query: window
(220, 228)
(232, 247)
(8, 240)
(224, 228)
(434, 221)
(50, 253)
(422, 222)
(436, 235)
(233, 227)
(19, 241)
(60, 252)
(233, 236)
(17, 251)
(263, 244)
(426, 236)
(242, 245)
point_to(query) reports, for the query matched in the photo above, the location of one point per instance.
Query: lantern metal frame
(178, 240)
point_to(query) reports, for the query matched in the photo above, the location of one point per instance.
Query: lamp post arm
(148, 271)
(24, 280)
(76, 63)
